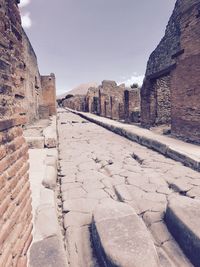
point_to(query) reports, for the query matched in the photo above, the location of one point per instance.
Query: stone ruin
(170, 93)
(77, 102)
(109, 100)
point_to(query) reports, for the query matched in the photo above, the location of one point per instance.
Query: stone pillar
(48, 99)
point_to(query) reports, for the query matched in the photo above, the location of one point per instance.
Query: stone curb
(50, 134)
(50, 178)
(47, 248)
(183, 219)
(158, 146)
(120, 237)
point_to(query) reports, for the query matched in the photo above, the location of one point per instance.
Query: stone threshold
(186, 153)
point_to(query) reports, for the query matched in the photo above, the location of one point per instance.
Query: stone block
(46, 222)
(50, 137)
(48, 252)
(120, 237)
(50, 178)
(183, 220)
(35, 142)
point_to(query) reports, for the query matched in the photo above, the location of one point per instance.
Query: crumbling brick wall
(15, 200)
(171, 90)
(48, 100)
(31, 82)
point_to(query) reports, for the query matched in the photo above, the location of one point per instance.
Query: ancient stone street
(98, 172)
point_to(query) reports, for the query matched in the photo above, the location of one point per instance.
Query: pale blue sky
(91, 40)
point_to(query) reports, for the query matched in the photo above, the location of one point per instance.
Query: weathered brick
(170, 93)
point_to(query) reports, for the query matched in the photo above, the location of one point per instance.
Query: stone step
(120, 237)
(183, 220)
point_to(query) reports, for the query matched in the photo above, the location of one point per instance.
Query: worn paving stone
(90, 185)
(181, 186)
(77, 219)
(123, 193)
(99, 160)
(67, 186)
(160, 233)
(137, 179)
(79, 247)
(176, 254)
(123, 237)
(183, 220)
(48, 253)
(194, 192)
(98, 194)
(74, 193)
(80, 205)
(152, 217)
(164, 190)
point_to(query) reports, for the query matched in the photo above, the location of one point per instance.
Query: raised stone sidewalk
(186, 153)
(47, 248)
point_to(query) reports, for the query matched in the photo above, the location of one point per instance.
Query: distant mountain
(80, 89)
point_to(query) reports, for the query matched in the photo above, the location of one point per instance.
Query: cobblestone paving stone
(96, 165)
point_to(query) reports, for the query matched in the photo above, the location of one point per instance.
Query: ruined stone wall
(32, 81)
(92, 100)
(163, 100)
(132, 105)
(108, 100)
(111, 100)
(77, 102)
(185, 80)
(15, 200)
(48, 99)
(170, 91)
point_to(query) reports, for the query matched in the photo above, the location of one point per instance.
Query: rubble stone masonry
(15, 194)
(171, 89)
(77, 102)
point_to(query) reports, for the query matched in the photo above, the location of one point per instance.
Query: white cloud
(24, 3)
(26, 21)
(135, 78)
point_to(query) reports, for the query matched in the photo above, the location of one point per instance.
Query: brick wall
(15, 200)
(32, 81)
(171, 89)
(186, 79)
(48, 99)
